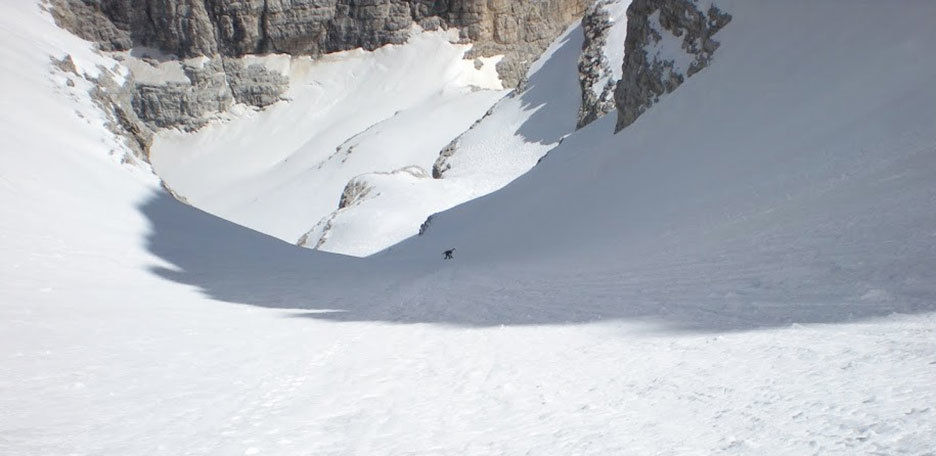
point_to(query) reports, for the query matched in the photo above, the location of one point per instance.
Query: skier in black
(448, 254)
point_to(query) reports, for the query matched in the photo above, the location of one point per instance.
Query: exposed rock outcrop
(147, 93)
(184, 101)
(254, 84)
(442, 164)
(186, 93)
(667, 42)
(357, 191)
(92, 20)
(520, 30)
(595, 73)
(113, 93)
(359, 188)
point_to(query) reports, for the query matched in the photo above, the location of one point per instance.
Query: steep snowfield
(365, 115)
(508, 141)
(282, 170)
(747, 269)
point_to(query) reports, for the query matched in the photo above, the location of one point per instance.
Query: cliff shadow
(234, 264)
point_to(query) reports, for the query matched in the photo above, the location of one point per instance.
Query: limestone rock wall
(520, 30)
(594, 67)
(169, 93)
(184, 102)
(667, 42)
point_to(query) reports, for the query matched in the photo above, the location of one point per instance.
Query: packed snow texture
(750, 268)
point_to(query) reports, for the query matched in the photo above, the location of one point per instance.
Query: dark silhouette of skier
(448, 254)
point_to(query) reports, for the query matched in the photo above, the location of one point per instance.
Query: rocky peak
(667, 42)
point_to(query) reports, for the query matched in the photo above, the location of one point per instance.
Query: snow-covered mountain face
(193, 60)
(352, 152)
(280, 142)
(283, 171)
(516, 30)
(745, 268)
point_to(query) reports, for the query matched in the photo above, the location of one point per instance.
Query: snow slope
(363, 116)
(747, 269)
(282, 170)
(509, 140)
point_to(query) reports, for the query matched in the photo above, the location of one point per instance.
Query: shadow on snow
(235, 264)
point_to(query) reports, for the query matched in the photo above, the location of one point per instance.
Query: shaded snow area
(749, 268)
(282, 170)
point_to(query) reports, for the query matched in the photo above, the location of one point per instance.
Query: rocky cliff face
(190, 59)
(597, 88)
(596, 70)
(520, 30)
(186, 93)
(667, 42)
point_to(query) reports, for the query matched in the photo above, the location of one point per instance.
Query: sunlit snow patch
(282, 170)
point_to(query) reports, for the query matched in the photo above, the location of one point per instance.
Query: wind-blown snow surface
(747, 269)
